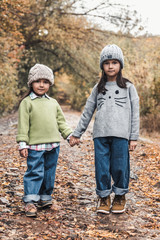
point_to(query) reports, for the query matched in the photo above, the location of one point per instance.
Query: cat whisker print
(119, 101)
(101, 98)
(118, 104)
(101, 102)
(120, 98)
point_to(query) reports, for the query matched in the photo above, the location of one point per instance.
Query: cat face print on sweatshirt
(112, 97)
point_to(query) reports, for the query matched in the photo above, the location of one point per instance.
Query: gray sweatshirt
(117, 112)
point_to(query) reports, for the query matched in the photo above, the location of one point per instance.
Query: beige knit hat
(40, 71)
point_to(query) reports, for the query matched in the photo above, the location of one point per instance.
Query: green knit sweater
(41, 121)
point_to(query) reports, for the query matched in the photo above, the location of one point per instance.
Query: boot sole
(44, 205)
(118, 211)
(103, 211)
(31, 214)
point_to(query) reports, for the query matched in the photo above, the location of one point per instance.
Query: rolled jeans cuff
(45, 197)
(119, 191)
(103, 193)
(31, 197)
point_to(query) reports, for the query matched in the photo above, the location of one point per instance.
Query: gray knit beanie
(111, 52)
(40, 71)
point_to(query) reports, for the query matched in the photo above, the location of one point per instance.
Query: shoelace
(30, 207)
(118, 199)
(103, 201)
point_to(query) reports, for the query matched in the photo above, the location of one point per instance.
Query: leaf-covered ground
(73, 215)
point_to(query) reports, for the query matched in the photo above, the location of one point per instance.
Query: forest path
(73, 214)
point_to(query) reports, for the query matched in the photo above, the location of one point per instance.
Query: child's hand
(132, 145)
(23, 152)
(73, 141)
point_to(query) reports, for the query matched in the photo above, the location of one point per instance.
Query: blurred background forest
(56, 34)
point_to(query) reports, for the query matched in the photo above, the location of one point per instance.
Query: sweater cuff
(22, 138)
(76, 134)
(68, 138)
(134, 137)
(23, 145)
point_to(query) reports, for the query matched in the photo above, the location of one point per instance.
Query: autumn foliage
(11, 40)
(50, 32)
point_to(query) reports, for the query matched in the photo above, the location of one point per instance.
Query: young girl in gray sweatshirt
(115, 131)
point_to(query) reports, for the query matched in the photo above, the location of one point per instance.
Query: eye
(116, 92)
(115, 62)
(46, 81)
(106, 62)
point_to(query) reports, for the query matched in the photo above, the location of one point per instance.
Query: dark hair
(26, 94)
(121, 81)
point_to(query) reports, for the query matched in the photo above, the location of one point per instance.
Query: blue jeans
(111, 160)
(40, 175)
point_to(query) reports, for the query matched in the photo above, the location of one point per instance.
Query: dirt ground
(73, 214)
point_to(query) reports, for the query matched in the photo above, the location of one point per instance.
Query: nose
(41, 83)
(110, 65)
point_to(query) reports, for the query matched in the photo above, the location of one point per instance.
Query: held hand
(23, 152)
(73, 141)
(132, 145)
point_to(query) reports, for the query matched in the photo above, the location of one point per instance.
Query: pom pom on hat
(40, 71)
(111, 52)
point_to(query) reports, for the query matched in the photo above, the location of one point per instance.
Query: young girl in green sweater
(40, 123)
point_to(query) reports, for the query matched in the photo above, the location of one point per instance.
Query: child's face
(111, 67)
(41, 86)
